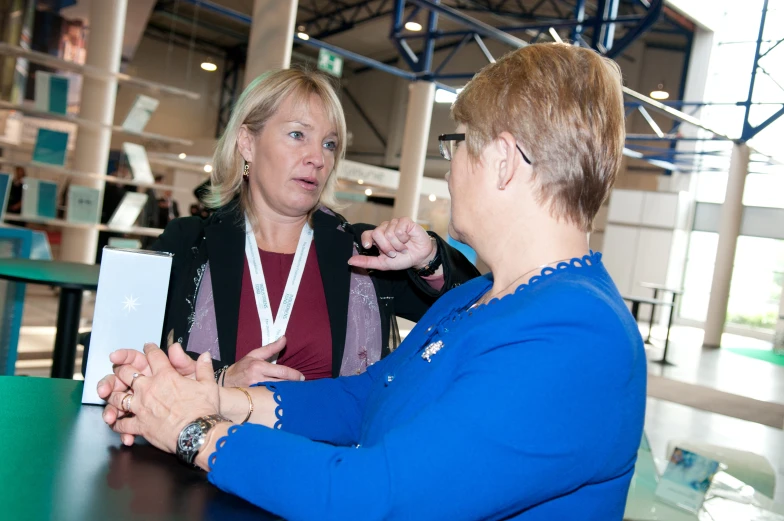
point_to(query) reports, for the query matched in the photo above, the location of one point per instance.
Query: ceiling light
(555, 35)
(208, 168)
(432, 198)
(413, 26)
(183, 155)
(660, 93)
(303, 36)
(368, 192)
(360, 182)
(208, 66)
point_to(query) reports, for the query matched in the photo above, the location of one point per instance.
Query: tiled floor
(718, 369)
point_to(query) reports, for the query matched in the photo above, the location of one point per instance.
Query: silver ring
(135, 376)
(126, 402)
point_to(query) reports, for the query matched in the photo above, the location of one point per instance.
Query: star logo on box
(130, 303)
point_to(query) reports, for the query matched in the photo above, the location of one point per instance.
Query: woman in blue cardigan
(519, 395)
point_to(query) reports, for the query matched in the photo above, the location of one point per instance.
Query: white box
(129, 308)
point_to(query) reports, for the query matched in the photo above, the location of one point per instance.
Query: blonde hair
(257, 104)
(565, 105)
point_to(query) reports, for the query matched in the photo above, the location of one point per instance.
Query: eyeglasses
(448, 142)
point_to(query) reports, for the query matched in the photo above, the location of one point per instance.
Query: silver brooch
(432, 349)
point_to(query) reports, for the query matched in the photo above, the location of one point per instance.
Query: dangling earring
(246, 172)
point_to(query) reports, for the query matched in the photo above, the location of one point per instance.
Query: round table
(72, 278)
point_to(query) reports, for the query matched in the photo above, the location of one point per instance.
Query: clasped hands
(170, 392)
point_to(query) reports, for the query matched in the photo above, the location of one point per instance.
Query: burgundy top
(308, 335)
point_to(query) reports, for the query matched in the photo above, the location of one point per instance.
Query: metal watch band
(205, 423)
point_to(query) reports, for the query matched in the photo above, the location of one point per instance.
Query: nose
(315, 156)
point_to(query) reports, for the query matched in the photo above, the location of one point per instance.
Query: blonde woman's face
(292, 157)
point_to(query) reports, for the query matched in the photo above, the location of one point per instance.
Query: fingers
(184, 364)
(266, 352)
(368, 263)
(127, 425)
(131, 357)
(262, 371)
(385, 239)
(204, 371)
(156, 358)
(285, 373)
(109, 384)
(127, 439)
(115, 400)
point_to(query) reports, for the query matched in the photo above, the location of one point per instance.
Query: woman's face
(465, 180)
(292, 157)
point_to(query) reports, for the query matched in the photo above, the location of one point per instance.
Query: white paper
(140, 113)
(128, 211)
(137, 160)
(129, 308)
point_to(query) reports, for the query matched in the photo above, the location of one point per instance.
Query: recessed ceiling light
(360, 182)
(659, 92)
(183, 155)
(208, 168)
(413, 26)
(432, 198)
(368, 192)
(303, 36)
(209, 66)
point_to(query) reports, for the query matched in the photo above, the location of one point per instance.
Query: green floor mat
(766, 355)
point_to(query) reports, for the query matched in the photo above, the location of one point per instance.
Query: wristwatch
(192, 436)
(433, 265)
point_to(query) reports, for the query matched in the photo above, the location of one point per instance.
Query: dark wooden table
(636, 301)
(72, 278)
(61, 462)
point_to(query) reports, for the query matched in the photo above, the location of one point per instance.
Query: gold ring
(126, 402)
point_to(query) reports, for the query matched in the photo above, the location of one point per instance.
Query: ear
(246, 144)
(506, 159)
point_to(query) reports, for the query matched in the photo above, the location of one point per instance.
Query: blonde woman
(273, 184)
(519, 395)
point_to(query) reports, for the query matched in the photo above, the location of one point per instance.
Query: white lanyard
(272, 330)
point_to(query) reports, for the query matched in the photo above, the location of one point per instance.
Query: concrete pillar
(271, 37)
(397, 118)
(104, 51)
(414, 150)
(729, 229)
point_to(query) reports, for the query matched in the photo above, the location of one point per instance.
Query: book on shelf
(5, 190)
(140, 113)
(50, 147)
(137, 160)
(39, 198)
(83, 205)
(51, 92)
(128, 211)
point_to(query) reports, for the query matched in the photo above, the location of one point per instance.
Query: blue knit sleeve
(328, 410)
(522, 422)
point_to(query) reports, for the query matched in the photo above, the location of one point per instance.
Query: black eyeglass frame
(461, 137)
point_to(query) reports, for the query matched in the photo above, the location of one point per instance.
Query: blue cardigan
(532, 409)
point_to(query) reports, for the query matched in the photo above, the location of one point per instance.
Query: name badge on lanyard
(274, 328)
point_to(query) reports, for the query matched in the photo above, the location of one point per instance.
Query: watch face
(189, 437)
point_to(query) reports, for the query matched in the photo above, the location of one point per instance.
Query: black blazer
(220, 239)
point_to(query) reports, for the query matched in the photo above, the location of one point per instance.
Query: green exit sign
(330, 63)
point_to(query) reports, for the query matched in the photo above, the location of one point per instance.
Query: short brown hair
(565, 105)
(257, 104)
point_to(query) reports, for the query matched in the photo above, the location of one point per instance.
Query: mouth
(308, 183)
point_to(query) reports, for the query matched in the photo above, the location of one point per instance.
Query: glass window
(756, 283)
(698, 275)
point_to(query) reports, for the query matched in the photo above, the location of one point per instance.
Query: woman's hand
(183, 363)
(254, 368)
(164, 402)
(403, 244)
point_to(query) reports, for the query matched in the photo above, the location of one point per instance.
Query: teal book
(47, 199)
(5, 185)
(83, 204)
(50, 147)
(58, 95)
